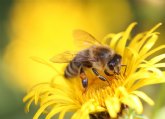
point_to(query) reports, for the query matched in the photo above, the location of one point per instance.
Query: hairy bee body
(97, 56)
(101, 55)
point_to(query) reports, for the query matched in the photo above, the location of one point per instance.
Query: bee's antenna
(123, 65)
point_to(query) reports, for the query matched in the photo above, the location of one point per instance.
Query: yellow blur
(43, 29)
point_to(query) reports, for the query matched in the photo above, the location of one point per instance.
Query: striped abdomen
(80, 61)
(72, 69)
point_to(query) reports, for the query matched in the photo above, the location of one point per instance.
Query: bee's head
(115, 63)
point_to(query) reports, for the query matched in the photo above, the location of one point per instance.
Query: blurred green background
(27, 25)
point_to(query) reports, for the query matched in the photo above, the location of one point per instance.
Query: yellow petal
(37, 94)
(144, 97)
(42, 108)
(134, 43)
(115, 40)
(147, 81)
(67, 108)
(150, 53)
(155, 27)
(137, 104)
(110, 109)
(107, 39)
(157, 59)
(127, 101)
(114, 102)
(136, 76)
(159, 65)
(62, 114)
(54, 111)
(75, 114)
(148, 45)
(121, 91)
(154, 70)
(28, 96)
(28, 105)
(122, 43)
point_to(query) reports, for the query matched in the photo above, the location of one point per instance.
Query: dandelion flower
(102, 99)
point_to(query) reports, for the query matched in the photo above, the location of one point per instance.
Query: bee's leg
(107, 73)
(98, 75)
(83, 78)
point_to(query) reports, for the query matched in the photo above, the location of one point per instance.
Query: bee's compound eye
(111, 67)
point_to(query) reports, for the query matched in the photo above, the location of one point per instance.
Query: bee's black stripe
(72, 69)
(67, 74)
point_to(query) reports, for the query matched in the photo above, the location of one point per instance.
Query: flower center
(99, 90)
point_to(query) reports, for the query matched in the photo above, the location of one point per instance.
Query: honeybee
(95, 55)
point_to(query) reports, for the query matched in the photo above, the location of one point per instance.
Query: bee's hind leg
(84, 78)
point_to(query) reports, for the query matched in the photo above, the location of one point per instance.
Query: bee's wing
(83, 58)
(68, 56)
(64, 57)
(84, 39)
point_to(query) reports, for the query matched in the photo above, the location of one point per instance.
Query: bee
(95, 55)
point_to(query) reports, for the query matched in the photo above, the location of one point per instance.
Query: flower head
(112, 97)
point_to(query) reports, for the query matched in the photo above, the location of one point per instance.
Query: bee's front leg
(98, 75)
(107, 73)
